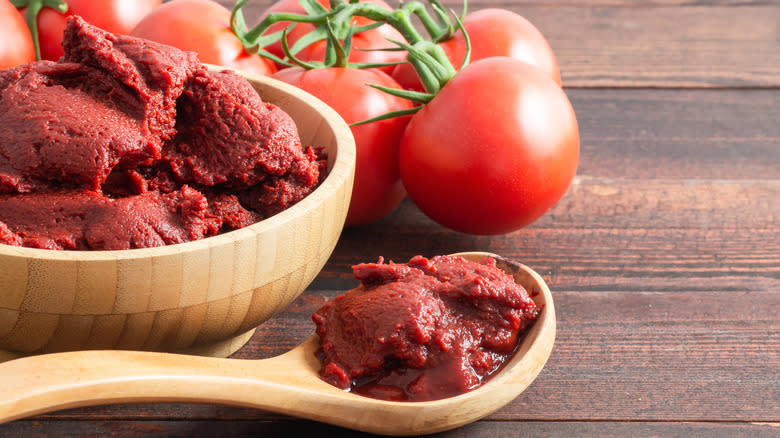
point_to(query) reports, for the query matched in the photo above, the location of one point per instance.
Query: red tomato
(492, 32)
(493, 151)
(201, 26)
(115, 16)
(16, 46)
(361, 42)
(377, 188)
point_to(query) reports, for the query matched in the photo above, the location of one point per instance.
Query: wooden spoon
(287, 384)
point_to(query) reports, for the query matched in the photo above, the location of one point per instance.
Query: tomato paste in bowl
(422, 330)
(124, 148)
(126, 143)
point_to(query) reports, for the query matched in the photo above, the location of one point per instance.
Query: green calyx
(31, 16)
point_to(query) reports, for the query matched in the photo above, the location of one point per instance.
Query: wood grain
(607, 235)
(679, 134)
(685, 356)
(288, 428)
(604, 46)
(696, 47)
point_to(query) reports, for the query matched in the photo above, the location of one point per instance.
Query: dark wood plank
(607, 235)
(650, 44)
(607, 46)
(680, 134)
(660, 356)
(640, 356)
(493, 429)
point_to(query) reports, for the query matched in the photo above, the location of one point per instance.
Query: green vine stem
(335, 25)
(427, 57)
(31, 16)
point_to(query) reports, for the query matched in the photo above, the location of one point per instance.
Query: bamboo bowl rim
(339, 171)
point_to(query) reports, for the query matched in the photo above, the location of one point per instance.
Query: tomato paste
(422, 330)
(126, 143)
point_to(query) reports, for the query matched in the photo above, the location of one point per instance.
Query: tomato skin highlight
(16, 46)
(362, 43)
(201, 26)
(493, 151)
(115, 16)
(492, 32)
(377, 189)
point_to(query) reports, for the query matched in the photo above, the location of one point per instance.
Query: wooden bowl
(204, 297)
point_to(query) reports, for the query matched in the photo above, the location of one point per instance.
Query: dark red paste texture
(423, 330)
(126, 143)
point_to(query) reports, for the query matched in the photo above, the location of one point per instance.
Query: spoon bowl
(287, 384)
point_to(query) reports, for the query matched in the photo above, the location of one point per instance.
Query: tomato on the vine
(201, 26)
(364, 44)
(493, 151)
(115, 16)
(16, 46)
(492, 32)
(377, 188)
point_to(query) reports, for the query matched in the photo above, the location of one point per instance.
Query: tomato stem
(466, 40)
(338, 21)
(414, 96)
(291, 56)
(337, 54)
(390, 115)
(335, 25)
(31, 17)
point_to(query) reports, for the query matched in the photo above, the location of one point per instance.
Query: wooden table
(663, 257)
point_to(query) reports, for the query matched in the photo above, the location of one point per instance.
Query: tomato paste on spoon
(422, 330)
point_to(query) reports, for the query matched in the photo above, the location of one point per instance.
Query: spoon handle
(38, 384)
